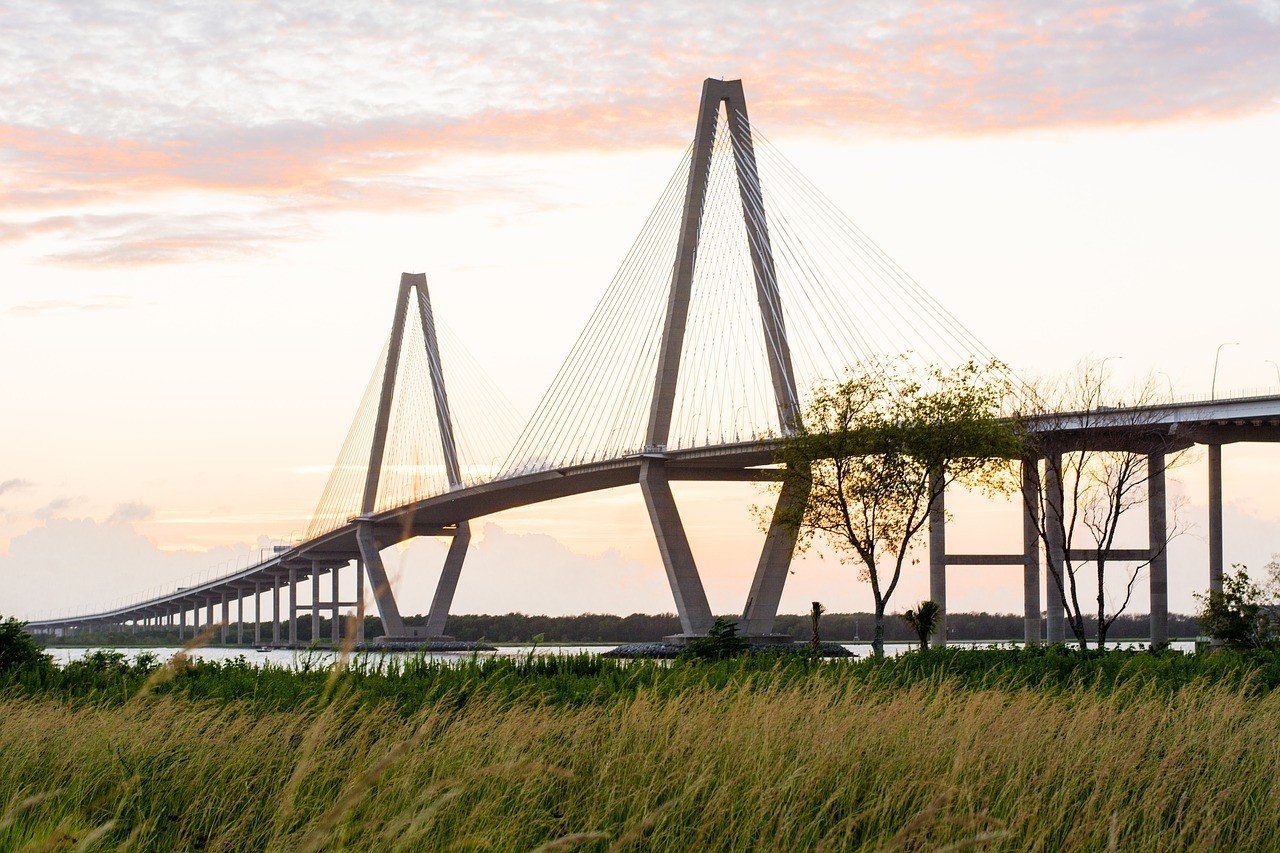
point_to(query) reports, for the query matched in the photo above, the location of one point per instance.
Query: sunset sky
(205, 209)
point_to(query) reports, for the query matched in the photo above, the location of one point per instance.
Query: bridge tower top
(728, 93)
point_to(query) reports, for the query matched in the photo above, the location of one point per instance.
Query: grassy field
(966, 750)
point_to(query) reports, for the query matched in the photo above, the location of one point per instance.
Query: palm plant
(923, 620)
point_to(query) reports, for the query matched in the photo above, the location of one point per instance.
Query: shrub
(722, 641)
(1239, 616)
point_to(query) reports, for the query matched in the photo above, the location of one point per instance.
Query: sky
(205, 209)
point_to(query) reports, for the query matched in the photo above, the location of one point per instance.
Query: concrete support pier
(775, 561)
(1215, 518)
(315, 601)
(293, 606)
(673, 545)
(1158, 533)
(938, 558)
(1030, 552)
(275, 611)
(438, 615)
(1055, 558)
(335, 630)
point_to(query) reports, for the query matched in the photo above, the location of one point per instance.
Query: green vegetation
(722, 641)
(980, 749)
(645, 628)
(873, 454)
(923, 620)
(18, 649)
(1245, 614)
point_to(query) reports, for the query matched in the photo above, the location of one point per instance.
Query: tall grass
(729, 756)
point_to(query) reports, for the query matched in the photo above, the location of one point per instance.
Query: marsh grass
(940, 750)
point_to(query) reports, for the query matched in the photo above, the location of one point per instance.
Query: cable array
(413, 460)
(831, 301)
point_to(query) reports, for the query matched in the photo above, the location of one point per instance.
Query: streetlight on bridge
(1213, 386)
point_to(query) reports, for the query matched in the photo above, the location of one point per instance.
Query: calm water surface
(290, 657)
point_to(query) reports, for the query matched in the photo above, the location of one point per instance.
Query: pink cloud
(311, 109)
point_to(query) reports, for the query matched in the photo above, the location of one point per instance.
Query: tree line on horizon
(649, 627)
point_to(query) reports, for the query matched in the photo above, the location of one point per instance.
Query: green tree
(876, 451)
(18, 649)
(923, 620)
(1241, 616)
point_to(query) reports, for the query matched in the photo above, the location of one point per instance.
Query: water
(291, 657)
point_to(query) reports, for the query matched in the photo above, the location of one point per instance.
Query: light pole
(1277, 367)
(1213, 386)
(1170, 381)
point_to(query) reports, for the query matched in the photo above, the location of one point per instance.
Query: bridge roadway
(1153, 429)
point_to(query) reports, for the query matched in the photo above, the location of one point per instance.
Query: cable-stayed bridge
(745, 289)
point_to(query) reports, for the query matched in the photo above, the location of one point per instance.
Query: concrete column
(182, 625)
(257, 613)
(673, 545)
(315, 601)
(1055, 626)
(438, 615)
(336, 628)
(1157, 531)
(293, 606)
(1030, 552)
(226, 619)
(775, 560)
(1215, 518)
(938, 557)
(240, 620)
(275, 611)
(371, 556)
(360, 601)
(210, 619)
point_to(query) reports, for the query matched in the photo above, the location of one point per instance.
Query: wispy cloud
(308, 107)
(14, 485)
(130, 512)
(41, 307)
(56, 507)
